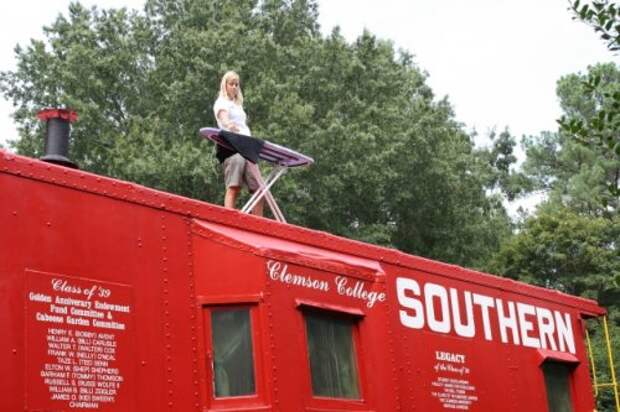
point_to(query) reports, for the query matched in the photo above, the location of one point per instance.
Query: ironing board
(282, 158)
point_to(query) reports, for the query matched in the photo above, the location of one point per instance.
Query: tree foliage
(603, 16)
(601, 127)
(392, 165)
(564, 250)
(578, 175)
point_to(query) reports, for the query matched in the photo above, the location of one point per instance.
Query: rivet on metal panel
(14, 351)
(143, 363)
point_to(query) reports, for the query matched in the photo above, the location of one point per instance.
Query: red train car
(116, 297)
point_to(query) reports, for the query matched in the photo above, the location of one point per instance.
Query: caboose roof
(261, 232)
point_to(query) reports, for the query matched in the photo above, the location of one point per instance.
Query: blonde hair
(228, 76)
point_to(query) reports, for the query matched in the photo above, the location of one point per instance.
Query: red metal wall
(155, 264)
(138, 253)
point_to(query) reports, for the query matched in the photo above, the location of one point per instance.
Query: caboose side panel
(298, 292)
(116, 297)
(94, 287)
(475, 346)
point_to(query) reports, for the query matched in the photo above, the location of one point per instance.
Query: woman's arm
(224, 119)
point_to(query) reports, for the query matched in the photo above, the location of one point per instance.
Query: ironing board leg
(263, 191)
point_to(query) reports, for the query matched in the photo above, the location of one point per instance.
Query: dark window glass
(557, 381)
(332, 356)
(233, 363)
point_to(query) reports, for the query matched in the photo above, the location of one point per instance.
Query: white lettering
(415, 321)
(279, 272)
(358, 291)
(467, 329)
(61, 285)
(546, 328)
(485, 303)
(432, 291)
(344, 286)
(565, 332)
(450, 310)
(450, 357)
(39, 297)
(507, 322)
(523, 310)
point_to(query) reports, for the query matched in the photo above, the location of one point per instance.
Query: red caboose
(116, 297)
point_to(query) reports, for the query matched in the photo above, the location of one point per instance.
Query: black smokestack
(57, 135)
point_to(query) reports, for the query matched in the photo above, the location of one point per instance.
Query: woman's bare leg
(230, 198)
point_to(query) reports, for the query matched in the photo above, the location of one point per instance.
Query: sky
(498, 61)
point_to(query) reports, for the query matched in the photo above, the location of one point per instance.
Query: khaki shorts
(237, 173)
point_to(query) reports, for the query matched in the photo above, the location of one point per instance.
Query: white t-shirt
(236, 114)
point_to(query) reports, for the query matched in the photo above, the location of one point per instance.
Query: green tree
(564, 250)
(392, 165)
(600, 128)
(603, 16)
(575, 174)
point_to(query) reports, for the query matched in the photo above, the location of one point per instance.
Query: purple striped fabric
(271, 152)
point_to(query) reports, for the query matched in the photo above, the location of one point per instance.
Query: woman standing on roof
(230, 116)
